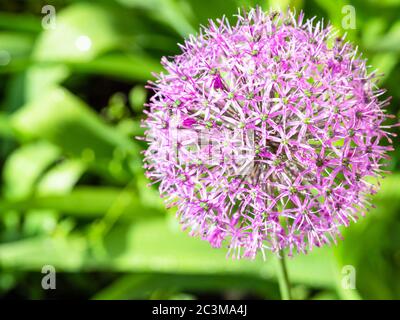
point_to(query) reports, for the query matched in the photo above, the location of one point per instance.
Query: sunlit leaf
(156, 246)
(171, 12)
(61, 179)
(24, 167)
(83, 31)
(65, 120)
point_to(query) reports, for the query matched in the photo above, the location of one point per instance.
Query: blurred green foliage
(73, 193)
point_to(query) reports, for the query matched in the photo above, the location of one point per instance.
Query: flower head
(264, 133)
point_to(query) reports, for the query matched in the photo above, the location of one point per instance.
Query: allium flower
(264, 134)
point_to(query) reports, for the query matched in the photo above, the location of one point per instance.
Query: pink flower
(264, 135)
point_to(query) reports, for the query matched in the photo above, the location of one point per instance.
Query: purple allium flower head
(265, 133)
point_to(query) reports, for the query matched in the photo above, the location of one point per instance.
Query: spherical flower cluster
(264, 134)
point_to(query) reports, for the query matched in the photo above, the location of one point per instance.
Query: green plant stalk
(283, 278)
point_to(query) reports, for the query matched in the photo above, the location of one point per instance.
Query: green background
(73, 194)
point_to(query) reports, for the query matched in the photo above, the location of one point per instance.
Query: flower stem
(283, 278)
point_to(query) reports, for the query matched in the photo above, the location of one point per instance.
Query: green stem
(283, 278)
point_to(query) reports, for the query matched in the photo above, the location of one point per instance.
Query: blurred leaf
(152, 39)
(83, 31)
(61, 179)
(42, 78)
(7, 281)
(140, 286)
(20, 22)
(28, 162)
(58, 180)
(374, 30)
(384, 3)
(171, 12)
(39, 222)
(88, 202)
(371, 247)
(326, 295)
(390, 41)
(334, 11)
(384, 63)
(129, 127)
(154, 246)
(389, 193)
(137, 98)
(253, 3)
(15, 43)
(125, 66)
(43, 250)
(63, 119)
(201, 13)
(284, 4)
(14, 96)
(5, 126)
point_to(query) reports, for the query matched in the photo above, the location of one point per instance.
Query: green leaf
(370, 247)
(5, 126)
(366, 249)
(15, 43)
(264, 4)
(141, 286)
(60, 117)
(334, 11)
(40, 251)
(61, 179)
(155, 246)
(28, 162)
(137, 98)
(130, 127)
(15, 51)
(42, 78)
(126, 66)
(284, 4)
(173, 13)
(390, 41)
(20, 22)
(201, 13)
(83, 31)
(384, 3)
(389, 192)
(373, 31)
(385, 63)
(88, 202)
